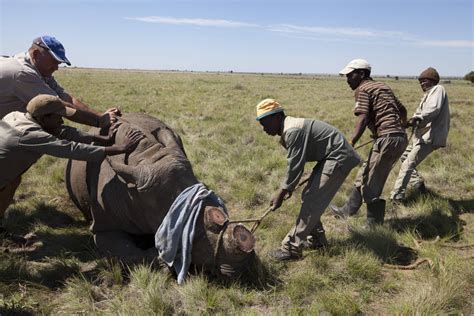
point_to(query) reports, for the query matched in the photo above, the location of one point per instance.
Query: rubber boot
(351, 207)
(375, 213)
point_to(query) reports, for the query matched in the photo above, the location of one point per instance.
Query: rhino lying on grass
(127, 197)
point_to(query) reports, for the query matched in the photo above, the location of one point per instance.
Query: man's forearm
(87, 118)
(359, 128)
(84, 115)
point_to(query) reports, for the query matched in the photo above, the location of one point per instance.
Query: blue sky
(397, 37)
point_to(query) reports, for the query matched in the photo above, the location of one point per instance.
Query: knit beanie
(429, 73)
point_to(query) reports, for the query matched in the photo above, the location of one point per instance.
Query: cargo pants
(408, 175)
(373, 174)
(326, 179)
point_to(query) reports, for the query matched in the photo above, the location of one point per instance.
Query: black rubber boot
(351, 207)
(375, 213)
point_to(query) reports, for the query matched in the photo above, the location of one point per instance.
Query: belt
(396, 134)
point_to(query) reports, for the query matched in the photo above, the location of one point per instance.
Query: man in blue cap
(26, 75)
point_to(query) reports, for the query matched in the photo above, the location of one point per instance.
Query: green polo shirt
(313, 140)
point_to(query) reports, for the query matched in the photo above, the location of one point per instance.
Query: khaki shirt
(313, 140)
(20, 81)
(435, 118)
(23, 142)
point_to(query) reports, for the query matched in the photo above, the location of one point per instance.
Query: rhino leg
(122, 246)
(77, 186)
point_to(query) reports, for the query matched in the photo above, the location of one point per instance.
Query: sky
(397, 37)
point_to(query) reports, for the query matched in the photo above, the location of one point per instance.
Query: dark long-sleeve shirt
(23, 142)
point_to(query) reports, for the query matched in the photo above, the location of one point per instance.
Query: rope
(364, 144)
(412, 266)
(218, 245)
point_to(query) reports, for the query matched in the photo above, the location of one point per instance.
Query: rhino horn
(214, 219)
(243, 238)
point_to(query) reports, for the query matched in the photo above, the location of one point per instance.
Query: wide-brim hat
(44, 104)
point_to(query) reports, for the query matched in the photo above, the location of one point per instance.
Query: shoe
(420, 188)
(398, 199)
(351, 207)
(17, 239)
(315, 241)
(339, 212)
(282, 255)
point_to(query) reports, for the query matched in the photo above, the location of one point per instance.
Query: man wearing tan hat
(431, 122)
(26, 75)
(25, 137)
(307, 140)
(378, 109)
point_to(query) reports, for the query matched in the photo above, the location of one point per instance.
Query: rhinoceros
(126, 197)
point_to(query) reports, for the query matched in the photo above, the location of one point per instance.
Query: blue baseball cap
(54, 47)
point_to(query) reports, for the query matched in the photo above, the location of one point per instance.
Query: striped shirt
(384, 111)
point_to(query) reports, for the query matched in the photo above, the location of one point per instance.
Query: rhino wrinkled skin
(126, 197)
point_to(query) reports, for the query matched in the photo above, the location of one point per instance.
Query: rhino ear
(243, 238)
(126, 172)
(214, 219)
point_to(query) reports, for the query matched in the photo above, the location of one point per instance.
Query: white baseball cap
(355, 64)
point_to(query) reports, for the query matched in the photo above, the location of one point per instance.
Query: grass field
(215, 115)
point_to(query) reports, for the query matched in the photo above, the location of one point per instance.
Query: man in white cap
(378, 109)
(25, 137)
(26, 75)
(431, 122)
(307, 140)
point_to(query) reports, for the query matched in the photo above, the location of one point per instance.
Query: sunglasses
(42, 45)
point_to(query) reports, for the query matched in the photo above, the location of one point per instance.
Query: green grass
(215, 115)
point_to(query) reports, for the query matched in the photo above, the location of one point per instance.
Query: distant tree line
(470, 76)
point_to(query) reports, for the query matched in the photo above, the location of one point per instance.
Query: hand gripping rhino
(127, 197)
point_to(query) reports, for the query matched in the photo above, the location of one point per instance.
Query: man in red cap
(431, 122)
(377, 108)
(26, 75)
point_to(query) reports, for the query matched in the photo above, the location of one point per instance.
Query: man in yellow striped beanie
(307, 140)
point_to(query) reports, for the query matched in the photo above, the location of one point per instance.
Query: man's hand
(278, 198)
(112, 131)
(132, 139)
(414, 121)
(109, 117)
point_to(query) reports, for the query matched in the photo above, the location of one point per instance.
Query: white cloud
(315, 32)
(340, 31)
(449, 43)
(195, 22)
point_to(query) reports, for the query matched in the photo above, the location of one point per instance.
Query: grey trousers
(318, 193)
(373, 174)
(408, 175)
